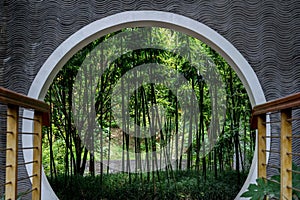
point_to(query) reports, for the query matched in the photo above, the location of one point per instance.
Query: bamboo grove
(66, 153)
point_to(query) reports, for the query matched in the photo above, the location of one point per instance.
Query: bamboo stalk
(285, 158)
(262, 169)
(12, 155)
(37, 156)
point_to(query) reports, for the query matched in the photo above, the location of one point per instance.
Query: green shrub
(268, 188)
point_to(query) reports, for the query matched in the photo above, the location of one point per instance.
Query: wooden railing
(13, 102)
(285, 107)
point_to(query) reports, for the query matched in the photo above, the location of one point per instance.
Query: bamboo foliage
(176, 129)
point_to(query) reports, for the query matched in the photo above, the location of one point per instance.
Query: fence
(286, 108)
(11, 105)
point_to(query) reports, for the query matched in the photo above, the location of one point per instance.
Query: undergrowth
(179, 185)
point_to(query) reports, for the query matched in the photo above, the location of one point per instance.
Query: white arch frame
(89, 33)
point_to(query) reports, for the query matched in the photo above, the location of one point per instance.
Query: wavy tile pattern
(267, 33)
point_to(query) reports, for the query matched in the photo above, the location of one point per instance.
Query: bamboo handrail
(9, 97)
(14, 98)
(279, 104)
(288, 102)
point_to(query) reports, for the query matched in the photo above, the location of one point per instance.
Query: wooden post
(262, 158)
(285, 157)
(12, 152)
(37, 156)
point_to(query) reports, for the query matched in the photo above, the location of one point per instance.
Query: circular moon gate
(128, 19)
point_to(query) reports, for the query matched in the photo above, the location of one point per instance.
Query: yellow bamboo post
(37, 156)
(12, 152)
(261, 126)
(286, 157)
